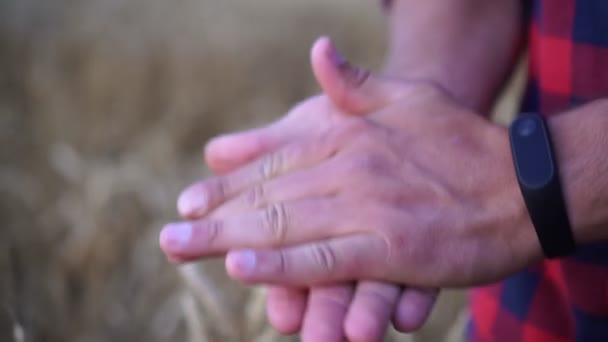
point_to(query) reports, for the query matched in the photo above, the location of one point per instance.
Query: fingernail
(192, 202)
(353, 74)
(241, 262)
(176, 235)
(335, 56)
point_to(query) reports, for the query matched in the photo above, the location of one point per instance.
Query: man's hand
(360, 312)
(421, 192)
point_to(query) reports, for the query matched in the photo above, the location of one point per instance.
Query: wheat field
(104, 108)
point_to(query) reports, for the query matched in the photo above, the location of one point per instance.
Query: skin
(468, 55)
(422, 184)
(407, 177)
(371, 305)
(433, 194)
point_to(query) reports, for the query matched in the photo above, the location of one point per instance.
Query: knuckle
(395, 246)
(295, 152)
(367, 164)
(270, 165)
(358, 77)
(218, 188)
(323, 257)
(281, 263)
(276, 222)
(211, 231)
(255, 197)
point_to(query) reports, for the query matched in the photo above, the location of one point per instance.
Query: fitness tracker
(540, 186)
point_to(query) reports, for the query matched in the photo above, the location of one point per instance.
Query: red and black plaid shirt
(567, 299)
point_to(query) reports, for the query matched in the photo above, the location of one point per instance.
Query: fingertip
(340, 80)
(322, 48)
(414, 309)
(175, 236)
(173, 241)
(325, 60)
(227, 152)
(217, 154)
(370, 312)
(365, 326)
(193, 201)
(326, 309)
(285, 309)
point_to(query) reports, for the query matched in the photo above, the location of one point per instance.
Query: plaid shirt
(567, 299)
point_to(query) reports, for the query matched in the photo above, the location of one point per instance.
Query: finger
(414, 308)
(199, 198)
(370, 311)
(350, 88)
(325, 312)
(328, 261)
(226, 152)
(276, 225)
(285, 308)
(316, 182)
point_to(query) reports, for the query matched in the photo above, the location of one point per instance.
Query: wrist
(465, 91)
(583, 181)
(462, 54)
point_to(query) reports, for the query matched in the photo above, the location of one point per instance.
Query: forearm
(466, 46)
(581, 143)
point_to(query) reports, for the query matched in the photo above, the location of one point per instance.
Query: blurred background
(105, 106)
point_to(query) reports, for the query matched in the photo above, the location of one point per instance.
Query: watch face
(538, 179)
(532, 151)
(526, 127)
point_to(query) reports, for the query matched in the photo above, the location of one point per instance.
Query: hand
(423, 194)
(373, 302)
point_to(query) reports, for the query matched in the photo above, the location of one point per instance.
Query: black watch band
(538, 177)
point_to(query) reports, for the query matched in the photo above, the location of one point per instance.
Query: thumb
(350, 88)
